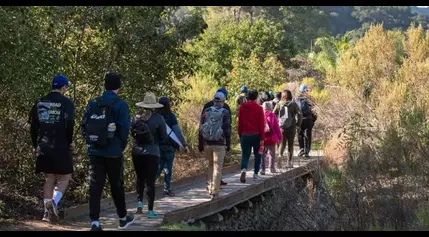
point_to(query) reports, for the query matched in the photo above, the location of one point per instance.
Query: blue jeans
(248, 142)
(166, 161)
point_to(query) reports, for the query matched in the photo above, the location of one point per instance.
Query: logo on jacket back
(95, 116)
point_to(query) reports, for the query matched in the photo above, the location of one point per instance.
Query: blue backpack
(305, 107)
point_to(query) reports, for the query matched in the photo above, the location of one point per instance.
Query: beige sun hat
(149, 102)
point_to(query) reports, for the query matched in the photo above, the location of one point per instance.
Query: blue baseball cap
(224, 91)
(303, 88)
(219, 97)
(243, 89)
(60, 80)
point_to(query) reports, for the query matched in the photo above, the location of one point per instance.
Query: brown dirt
(13, 225)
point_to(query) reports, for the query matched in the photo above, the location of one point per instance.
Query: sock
(123, 219)
(96, 223)
(57, 197)
(45, 200)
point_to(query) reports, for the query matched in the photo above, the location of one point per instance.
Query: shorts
(58, 164)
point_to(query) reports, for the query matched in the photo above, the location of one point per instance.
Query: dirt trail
(35, 225)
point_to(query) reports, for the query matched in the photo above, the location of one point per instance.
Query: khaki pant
(215, 155)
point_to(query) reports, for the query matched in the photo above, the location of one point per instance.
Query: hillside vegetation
(367, 68)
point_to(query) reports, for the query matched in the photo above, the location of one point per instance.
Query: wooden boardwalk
(193, 201)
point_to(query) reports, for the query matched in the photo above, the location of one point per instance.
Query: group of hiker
(265, 122)
(268, 122)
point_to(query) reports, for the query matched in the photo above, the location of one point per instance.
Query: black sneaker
(123, 224)
(301, 153)
(222, 183)
(307, 155)
(96, 228)
(168, 193)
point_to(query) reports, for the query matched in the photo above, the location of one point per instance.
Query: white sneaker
(255, 177)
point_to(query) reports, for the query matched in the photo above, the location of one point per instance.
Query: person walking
(52, 123)
(149, 130)
(290, 118)
(243, 97)
(225, 106)
(105, 126)
(273, 135)
(307, 106)
(214, 139)
(251, 130)
(169, 146)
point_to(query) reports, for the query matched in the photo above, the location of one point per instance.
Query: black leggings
(146, 167)
(288, 137)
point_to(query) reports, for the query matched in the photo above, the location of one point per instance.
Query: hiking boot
(263, 172)
(94, 227)
(301, 153)
(139, 208)
(243, 176)
(123, 224)
(151, 214)
(168, 193)
(52, 211)
(45, 216)
(223, 183)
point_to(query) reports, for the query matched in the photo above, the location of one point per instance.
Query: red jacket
(251, 119)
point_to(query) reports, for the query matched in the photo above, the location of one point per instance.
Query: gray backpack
(285, 116)
(211, 130)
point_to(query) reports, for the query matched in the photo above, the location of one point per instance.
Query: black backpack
(141, 132)
(100, 116)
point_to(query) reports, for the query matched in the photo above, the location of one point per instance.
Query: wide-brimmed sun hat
(149, 102)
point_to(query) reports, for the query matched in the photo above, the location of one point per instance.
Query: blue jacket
(123, 122)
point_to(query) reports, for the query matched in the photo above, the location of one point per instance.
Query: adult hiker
(225, 106)
(148, 130)
(263, 97)
(214, 139)
(290, 118)
(169, 146)
(251, 130)
(307, 106)
(273, 135)
(277, 98)
(106, 126)
(52, 123)
(243, 97)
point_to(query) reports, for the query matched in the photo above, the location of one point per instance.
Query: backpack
(100, 116)
(242, 99)
(211, 130)
(141, 132)
(50, 116)
(285, 116)
(304, 106)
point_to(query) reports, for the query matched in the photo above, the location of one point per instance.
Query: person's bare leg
(62, 184)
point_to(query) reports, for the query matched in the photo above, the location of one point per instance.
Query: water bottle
(111, 130)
